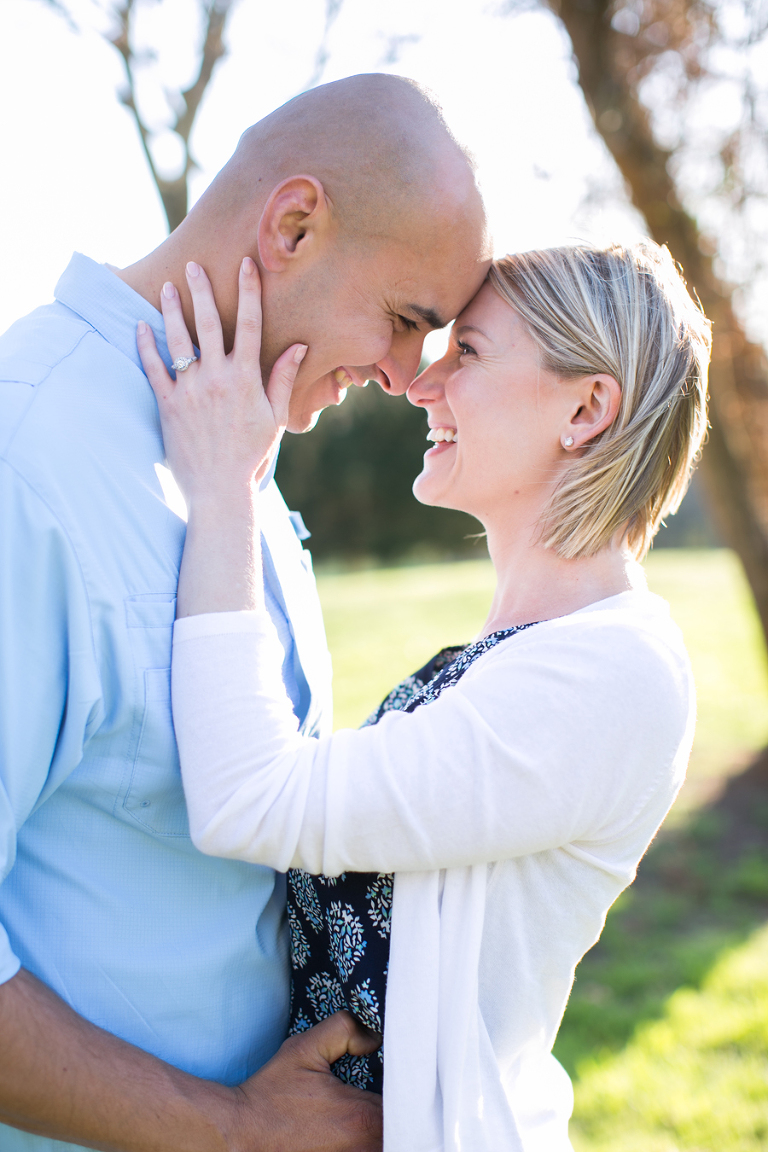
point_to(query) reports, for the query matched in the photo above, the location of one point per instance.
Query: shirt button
(146, 803)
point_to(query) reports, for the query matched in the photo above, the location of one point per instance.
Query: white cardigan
(514, 810)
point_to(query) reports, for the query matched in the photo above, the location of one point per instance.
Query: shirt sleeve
(49, 687)
(553, 739)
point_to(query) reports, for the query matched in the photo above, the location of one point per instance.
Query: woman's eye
(464, 348)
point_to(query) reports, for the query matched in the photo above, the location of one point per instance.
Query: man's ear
(296, 212)
(600, 402)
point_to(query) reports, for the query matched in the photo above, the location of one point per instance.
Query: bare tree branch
(332, 10)
(61, 10)
(393, 48)
(174, 192)
(121, 40)
(213, 50)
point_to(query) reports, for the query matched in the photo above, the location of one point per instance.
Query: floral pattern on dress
(347, 938)
(305, 896)
(404, 692)
(364, 1005)
(326, 995)
(379, 897)
(354, 1070)
(299, 945)
(300, 1024)
(340, 925)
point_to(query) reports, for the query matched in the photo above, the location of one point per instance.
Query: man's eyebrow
(428, 314)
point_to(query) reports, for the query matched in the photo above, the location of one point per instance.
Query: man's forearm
(62, 1077)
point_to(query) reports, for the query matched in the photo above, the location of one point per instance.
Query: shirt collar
(110, 306)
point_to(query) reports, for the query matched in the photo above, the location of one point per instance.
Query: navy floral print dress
(340, 925)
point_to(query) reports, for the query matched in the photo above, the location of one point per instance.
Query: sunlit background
(76, 179)
(667, 1031)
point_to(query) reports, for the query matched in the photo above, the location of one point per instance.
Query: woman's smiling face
(506, 413)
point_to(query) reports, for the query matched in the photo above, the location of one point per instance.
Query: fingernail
(193, 269)
(141, 328)
(248, 266)
(300, 353)
(168, 290)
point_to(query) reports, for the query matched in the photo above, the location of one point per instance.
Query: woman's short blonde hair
(624, 311)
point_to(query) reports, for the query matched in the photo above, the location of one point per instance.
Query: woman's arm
(559, 736)
(557, 744)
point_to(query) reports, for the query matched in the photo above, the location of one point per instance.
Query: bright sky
(74, 176)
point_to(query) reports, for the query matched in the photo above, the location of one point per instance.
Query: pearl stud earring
(568, 442)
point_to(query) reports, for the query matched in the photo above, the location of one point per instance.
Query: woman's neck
(534, 583)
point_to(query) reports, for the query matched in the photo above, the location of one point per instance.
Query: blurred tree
(173, 191)
(183, 103)
(659, 77)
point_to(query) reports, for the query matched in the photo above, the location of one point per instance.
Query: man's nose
(401, 364)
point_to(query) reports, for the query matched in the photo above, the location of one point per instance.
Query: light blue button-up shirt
(103, 895)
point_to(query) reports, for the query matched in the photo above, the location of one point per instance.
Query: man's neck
(148, 275)
(166, 263)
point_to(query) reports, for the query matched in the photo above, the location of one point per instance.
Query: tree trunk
(735, 461)
(175, 197)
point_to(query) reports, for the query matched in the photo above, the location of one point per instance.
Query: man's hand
(300, 1106)
(64, 1078)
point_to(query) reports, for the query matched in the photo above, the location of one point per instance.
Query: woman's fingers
(247, 348)
(176, 332)
(281, 381)
(156, 371)
(207, 323)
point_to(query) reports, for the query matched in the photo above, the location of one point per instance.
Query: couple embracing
(223, 927)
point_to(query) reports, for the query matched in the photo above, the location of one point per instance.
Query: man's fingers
(156, 371)
(328, 1041)
(247, 348)
(207, 322)
(281, 381)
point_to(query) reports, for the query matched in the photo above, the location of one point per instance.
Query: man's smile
(343, 377)
(346, 377)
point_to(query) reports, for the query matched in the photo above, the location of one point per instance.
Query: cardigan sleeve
(557, 737)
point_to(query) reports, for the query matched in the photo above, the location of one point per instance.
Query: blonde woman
(500, 800)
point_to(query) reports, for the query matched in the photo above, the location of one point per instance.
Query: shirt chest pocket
(154, 796)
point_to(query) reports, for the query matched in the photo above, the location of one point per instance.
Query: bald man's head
(378, 143)
(363, 215)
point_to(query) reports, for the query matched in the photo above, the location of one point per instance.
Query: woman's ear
(600, 400)
(296, 211)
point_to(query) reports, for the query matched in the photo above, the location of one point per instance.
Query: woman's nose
(428, 385)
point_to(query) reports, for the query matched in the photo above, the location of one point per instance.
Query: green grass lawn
(697, 1078)
(384, 623)
(666, 1033)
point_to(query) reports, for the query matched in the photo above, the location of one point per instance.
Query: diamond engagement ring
(181, 363)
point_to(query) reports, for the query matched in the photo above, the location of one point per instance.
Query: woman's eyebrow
(470, 328)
